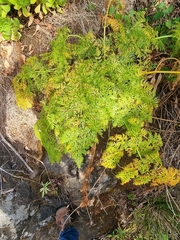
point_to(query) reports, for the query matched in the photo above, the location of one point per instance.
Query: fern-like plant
(85, 86)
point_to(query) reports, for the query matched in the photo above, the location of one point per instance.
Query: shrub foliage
(9, 28)
(86, 85)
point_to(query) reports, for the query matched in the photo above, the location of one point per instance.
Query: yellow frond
(169, 176)
(123, 6)
(24, 103)
(114, 24)
(24, 98)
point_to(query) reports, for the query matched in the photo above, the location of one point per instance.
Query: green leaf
(91, 7)
(161, 6)
(118, 16)
(15, 35)
(132, 13)
(5, 10)
(60, 2)
(17, 7)
(15, 30)
(16, 23)
(119, 6)
(24, 3)
(4, 1)
(33, 1)
(168, 10)
(44, 190)
(14, 2)
(9, 28)
(157, 16)
(49, 3)
(168, 24)
(25, 12)
(6, 27)
(20, 4)
(112, 10)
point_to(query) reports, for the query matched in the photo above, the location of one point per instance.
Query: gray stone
(7, 227)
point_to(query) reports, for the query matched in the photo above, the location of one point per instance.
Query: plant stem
(162, 71)
(105, 25)
(74, 35)
(165, 36)
(157, 71)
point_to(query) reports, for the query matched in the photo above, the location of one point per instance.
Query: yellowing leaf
(60, 10)
(170, 177)
(31, 19)
(129, 172)
(142, 179)
(114, 24)
(111, 159)
(44, 9)
(26, 103)
(38, 8)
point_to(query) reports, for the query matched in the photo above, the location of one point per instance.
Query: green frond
(82, 90)
(45, 134)
(176, 36)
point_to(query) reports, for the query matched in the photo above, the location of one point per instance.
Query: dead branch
(16, 153)
(87, 174)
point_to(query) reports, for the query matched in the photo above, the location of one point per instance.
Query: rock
(7, 227)
(29, 216)
(19, 127)
(16, 204)
(12, 56)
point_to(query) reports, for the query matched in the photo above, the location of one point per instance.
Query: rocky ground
(24, 166)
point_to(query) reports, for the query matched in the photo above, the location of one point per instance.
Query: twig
(14, 150)
(89, 215)
(7, 191)
(96, 182)
(167, 120)
(19, 177)
(102, 206)
(173, 128)
(169, 196)
(174, 155)
(0, 183)
(105, 26)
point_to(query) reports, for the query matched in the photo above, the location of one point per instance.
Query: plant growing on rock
(44, 190)
(84, 87)
(9, 28)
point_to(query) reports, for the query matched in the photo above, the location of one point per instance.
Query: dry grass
(79, 18)
(167, 123)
